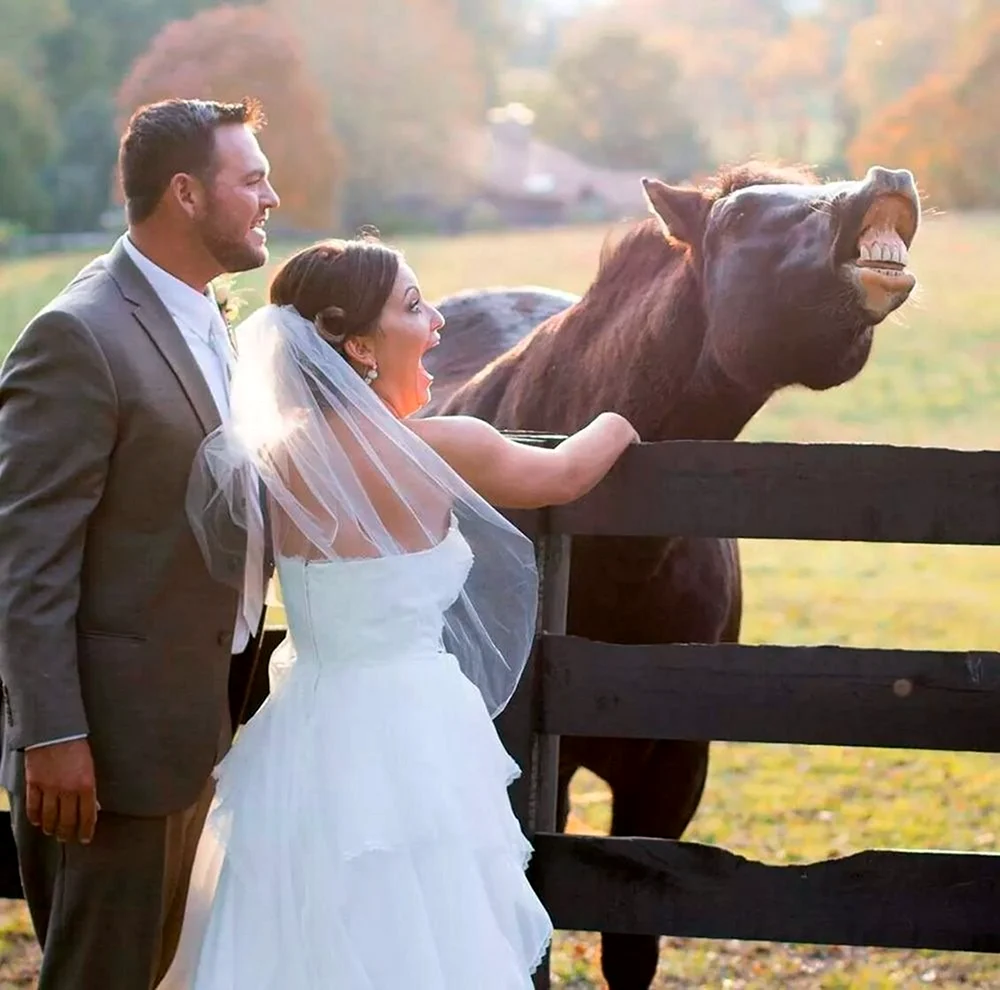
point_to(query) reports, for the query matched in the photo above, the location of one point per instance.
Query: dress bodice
(367, 610)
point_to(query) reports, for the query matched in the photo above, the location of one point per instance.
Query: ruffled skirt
(362, 838)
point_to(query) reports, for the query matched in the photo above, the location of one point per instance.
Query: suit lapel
(154, 319)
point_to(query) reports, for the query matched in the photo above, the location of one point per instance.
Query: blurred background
(451, 115)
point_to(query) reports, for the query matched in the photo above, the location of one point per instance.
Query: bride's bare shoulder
(463, 441)
(451, 429)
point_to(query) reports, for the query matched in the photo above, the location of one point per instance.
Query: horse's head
(794, 274)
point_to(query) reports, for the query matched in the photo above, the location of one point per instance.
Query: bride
(361, 836)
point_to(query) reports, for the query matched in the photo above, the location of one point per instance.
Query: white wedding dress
(362, 836)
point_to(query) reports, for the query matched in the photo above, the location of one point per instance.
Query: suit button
(225, 639)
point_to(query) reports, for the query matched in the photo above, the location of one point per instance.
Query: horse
(759, 279)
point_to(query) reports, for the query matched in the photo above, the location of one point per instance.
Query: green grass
(934, 379)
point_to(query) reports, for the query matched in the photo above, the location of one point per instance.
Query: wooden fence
(823, 695)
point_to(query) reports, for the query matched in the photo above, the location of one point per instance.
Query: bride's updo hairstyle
(339, 285)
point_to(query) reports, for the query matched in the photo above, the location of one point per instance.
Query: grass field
(934, 379)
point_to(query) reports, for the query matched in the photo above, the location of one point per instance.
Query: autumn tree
(941, 128)
(228, 53)
(896, 48)
(791, 84)
(613, 102)
(716, 45)
(405, 99)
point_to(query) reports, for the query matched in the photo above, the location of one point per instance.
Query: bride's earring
(371, 374)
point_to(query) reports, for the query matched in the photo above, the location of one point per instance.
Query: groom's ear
(188, 193)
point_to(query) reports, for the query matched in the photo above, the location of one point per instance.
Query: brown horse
(726, 295)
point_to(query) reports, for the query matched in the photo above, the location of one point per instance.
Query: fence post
(554, 552)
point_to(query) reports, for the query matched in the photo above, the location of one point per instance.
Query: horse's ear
(682, 210)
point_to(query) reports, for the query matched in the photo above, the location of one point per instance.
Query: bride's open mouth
(435, 340)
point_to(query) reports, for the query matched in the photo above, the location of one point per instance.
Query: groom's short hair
(172, 136)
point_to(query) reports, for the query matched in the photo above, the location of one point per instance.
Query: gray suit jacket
(109, 621)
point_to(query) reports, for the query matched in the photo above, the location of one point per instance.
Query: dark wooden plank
(516, 723)
(555, 556)
(821, 695)
(528, 521)
(932, 900)
(795, 491)
(10, 879)
(515, 726)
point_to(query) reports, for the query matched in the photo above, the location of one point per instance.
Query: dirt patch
(19, 955)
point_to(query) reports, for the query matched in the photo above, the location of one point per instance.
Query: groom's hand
(61, 790)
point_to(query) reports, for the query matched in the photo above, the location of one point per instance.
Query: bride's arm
(513, 475)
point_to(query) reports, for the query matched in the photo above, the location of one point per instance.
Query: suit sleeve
(58, 424)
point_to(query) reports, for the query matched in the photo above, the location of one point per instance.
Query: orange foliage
(230, 52)
(405, 91)
(943, 129)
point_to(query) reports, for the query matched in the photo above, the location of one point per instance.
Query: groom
(115, 643)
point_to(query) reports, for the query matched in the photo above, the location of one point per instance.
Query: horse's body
(768, 280)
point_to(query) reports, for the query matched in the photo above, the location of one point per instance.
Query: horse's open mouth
(881, 253)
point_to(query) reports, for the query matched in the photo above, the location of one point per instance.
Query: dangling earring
(371, 374)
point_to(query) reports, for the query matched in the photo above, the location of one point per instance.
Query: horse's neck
(677, 391)
(636, 359)
(711, 407)
(646, 359)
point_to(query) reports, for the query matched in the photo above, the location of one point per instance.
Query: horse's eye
(735, 217)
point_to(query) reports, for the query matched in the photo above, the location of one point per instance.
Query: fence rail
(904, 900)
(819, 695)
(790, 491)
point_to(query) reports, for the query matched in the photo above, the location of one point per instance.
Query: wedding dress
(362, 836)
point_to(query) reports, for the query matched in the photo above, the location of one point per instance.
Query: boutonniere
(229, 302)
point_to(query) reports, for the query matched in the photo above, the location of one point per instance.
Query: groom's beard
(229, 246)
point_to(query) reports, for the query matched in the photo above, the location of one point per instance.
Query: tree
(897, 47)
(936, 128)
(716, 45)
(27, 136)
(24, 26)
(87, 50)
(28, 133)
(228, 53)
(791, 82)
(612, 103)
(405, 98)
(488, 25)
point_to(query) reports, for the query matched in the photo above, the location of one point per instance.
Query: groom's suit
(110, 625)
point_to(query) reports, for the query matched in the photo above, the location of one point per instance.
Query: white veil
(314, 462)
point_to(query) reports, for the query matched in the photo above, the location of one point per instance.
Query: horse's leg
(629, 961)
(692, 595)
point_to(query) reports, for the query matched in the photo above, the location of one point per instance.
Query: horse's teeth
(891, 249)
